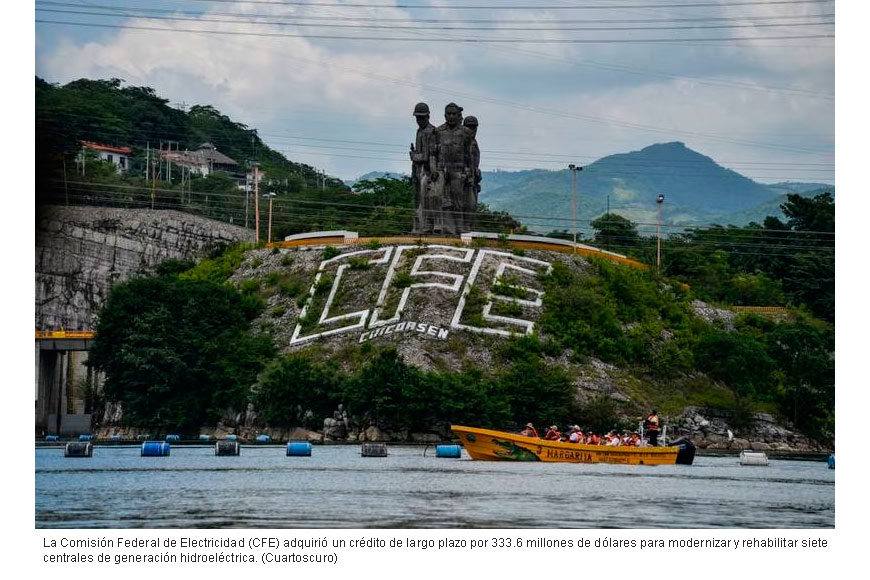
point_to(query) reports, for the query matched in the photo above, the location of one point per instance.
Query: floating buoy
(374, 450)
(85, 437)
(155, 449)
(205, 437)
(52, 438)
(78, 449)
(227, 448)
(451, 451)
(114, 437)
(299, 449)
(753, 458)
(263, 439)
(173, 437)
(231, 437)
(831, 461)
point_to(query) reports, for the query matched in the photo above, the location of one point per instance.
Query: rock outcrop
(82, 251)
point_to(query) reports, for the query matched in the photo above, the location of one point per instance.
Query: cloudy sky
(333, 83)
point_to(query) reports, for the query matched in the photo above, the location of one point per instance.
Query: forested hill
(107, 112)
(697, 190)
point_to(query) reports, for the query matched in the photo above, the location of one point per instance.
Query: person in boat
(553, 434)
(529, 431)
(575, 435)
(651, 425)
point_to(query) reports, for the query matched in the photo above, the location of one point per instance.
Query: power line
(521, 7)
(502, 28)
(331, 204)
(439, 39)
(133, 11)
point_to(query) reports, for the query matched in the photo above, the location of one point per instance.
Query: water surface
(337, 488)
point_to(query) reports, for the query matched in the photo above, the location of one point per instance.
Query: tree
(296, 390)
(177, 353)
(614, 231)
(815, 214)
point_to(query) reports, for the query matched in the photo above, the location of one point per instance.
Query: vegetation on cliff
(177, 352)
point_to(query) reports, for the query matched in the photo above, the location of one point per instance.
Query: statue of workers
(455, 170)
(423, 153)
(471, 196)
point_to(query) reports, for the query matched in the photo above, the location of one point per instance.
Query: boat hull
(490, 445)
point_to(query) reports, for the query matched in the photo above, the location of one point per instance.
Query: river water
(411, 488)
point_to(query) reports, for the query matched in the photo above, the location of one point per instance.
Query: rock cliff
(82, 251)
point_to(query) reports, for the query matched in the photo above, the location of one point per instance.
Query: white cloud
(540, 107)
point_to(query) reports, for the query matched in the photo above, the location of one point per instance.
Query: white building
(118, 156)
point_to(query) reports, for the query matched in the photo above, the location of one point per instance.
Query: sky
(333, 83)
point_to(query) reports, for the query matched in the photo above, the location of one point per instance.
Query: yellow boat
(490, 445)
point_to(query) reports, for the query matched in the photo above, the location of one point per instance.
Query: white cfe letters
(434, 267)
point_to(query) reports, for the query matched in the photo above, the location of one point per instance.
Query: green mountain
(697, 190)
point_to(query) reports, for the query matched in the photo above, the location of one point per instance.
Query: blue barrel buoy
(205, 437)
(155, 449)
(232, 437)
(299, 449)
(222, 448)
(263, 438)
(831, 461)
(114, 437)
(374, 450)
(52, 438)
(78, 449)
(173, 437)
(452, 451)
(85, 437)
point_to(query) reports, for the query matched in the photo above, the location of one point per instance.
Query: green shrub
(359, 263)
(290, 288)
(402, 280)
(330, 252)
(323, 286)
(250, 286)
(220, 267)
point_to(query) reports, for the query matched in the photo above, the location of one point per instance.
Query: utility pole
(256, 205)
(269, 236)
(660, 201)
(574, 169)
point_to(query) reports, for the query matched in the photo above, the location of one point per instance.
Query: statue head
(421, 113)
(471, 122)
(453, 114)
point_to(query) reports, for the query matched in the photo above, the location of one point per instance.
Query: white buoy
(753, 458)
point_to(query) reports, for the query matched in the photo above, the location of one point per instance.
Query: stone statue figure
(454, 170)
(471, 208)
(445, 172)
(423, 167)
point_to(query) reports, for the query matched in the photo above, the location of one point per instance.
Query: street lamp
(660, 200)
(270, 195)
(574, 169)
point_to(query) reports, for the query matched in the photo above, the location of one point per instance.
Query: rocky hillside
(82, 251)
(458, 309)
